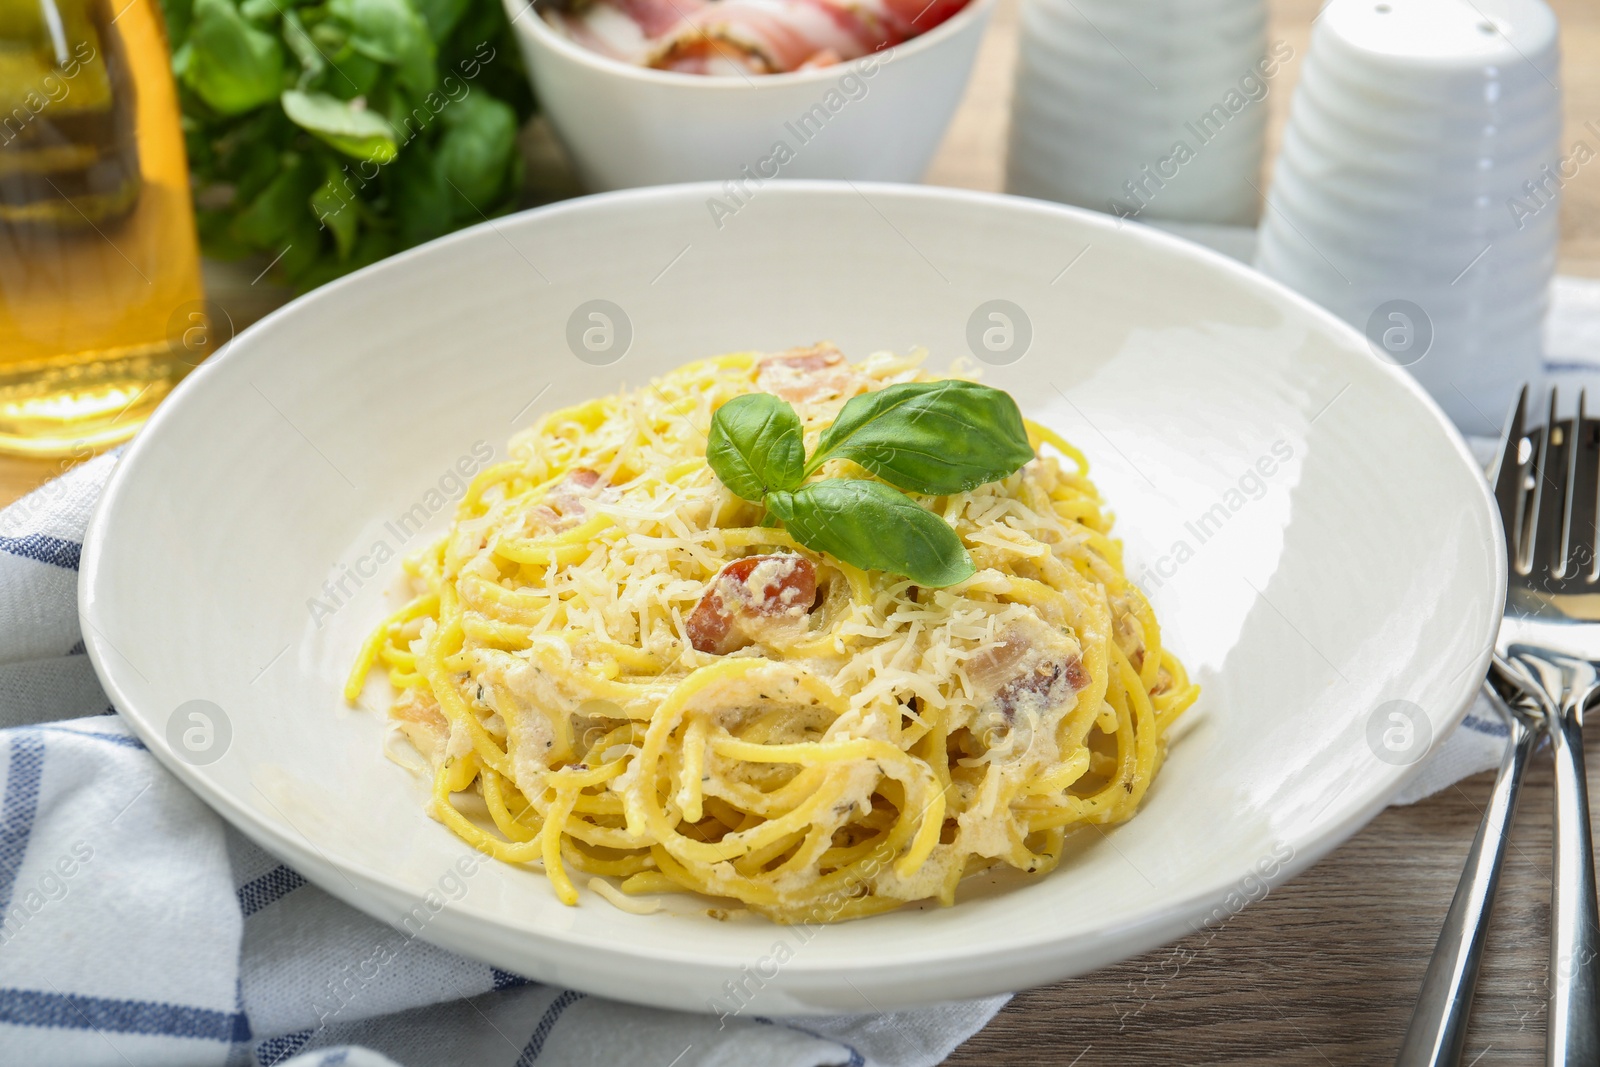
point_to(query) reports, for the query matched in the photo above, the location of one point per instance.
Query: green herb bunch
(334, 133)
(928, 438)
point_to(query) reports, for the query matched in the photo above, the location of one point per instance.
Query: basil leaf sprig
(929, 437)
(934, 438)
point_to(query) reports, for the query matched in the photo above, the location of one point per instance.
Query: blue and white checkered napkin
(139, 929)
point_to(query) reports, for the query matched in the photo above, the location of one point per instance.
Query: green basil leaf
(334, 205)
(303, 249)
(353, 74)
(252, 163)
(874, 527)
(230, 64)
(441, 15)
(417, 73)
(756, 445)
(390, 31)
(260, 12)
(215, 228)
(422, 202)
(329, 37)
(304, 48)
(382, 29)
(476, 151)
(181, 57)
(271, 219)
(354, 131)
(371, 247)
(930, 437)
(177, 14)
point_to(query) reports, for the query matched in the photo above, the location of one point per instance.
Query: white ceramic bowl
(880, 119)
(1317, 544)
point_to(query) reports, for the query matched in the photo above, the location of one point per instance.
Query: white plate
(1364, 569)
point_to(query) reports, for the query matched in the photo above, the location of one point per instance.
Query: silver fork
(1547, 485)
(1552, 494)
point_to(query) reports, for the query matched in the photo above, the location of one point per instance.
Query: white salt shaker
(1151, 109)
(1416, 192)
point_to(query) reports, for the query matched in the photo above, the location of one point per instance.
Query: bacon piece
(1049, 683)
(624, 30)
(610, 34)
(576, 481)
(1163, 682)
(1128, 626)
(747, 597)
(696, 53)
(424, 725)
(728, 46)
(991, 667)
(656, 17)
(566, 504)
(808, 374)
(1022, 673)
(825, 58)
(908, 18)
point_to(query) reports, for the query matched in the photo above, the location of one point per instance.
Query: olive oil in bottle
(100, 298)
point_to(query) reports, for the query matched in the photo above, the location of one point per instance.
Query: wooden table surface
(1325, 969)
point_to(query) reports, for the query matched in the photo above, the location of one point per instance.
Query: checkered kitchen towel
(139, 929)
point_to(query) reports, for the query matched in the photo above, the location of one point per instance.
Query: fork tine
(1571, 442)
(1547, 523)
(1585, 474)
(1508, 475)
(1549, 533)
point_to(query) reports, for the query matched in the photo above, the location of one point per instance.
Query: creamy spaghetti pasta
(614, 667)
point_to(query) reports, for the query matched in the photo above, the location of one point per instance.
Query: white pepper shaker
(1415, 195)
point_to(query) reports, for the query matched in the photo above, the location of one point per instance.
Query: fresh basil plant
(325, 135)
